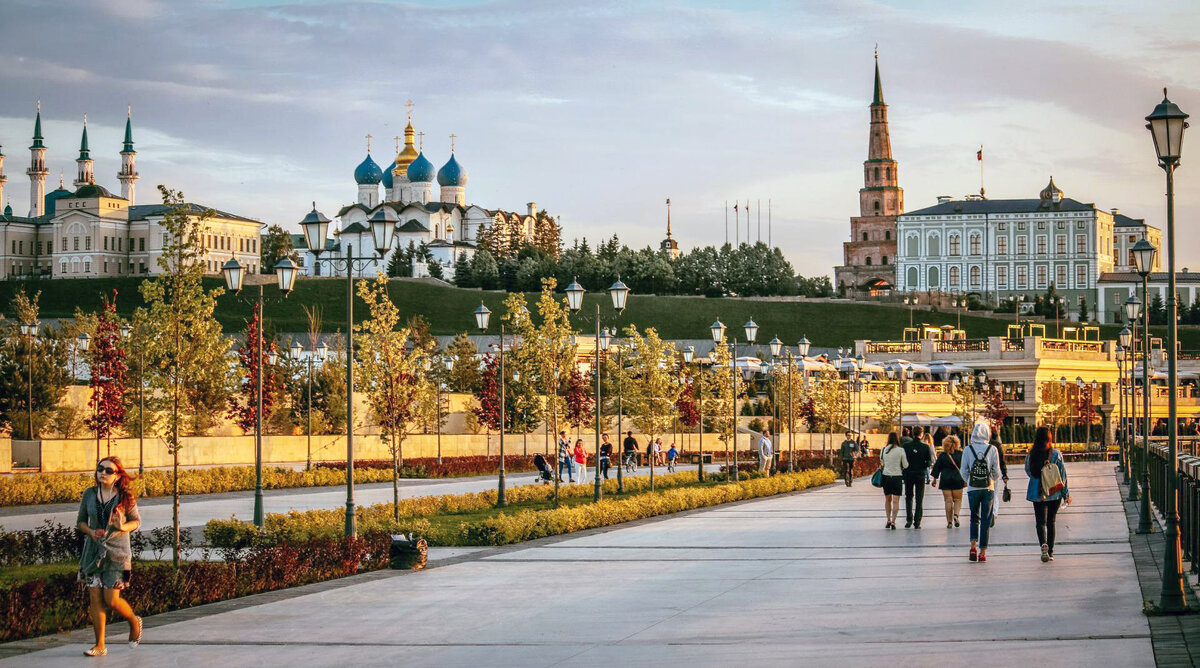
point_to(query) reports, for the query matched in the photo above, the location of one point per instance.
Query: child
(672, 453)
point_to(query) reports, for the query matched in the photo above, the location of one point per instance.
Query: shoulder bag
(1052, 481)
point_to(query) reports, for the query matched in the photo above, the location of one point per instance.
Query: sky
(600, 112)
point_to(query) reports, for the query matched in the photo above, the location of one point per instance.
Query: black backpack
(979, 475)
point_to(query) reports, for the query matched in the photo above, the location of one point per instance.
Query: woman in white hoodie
(981, 486)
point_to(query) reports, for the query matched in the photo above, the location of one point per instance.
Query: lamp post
(127, 334)
(620, 412)
(30, 332)
(1058, 301)
(1125, 461)
(483, 316)
(1143, 259)
(802, 347)
(689, 354)
(776, 347)
(322, 351)
(1128, 398)
(316, 227)
(618, 292)
(1166, 124)
(717, 329)
(285, 273)
(82, 343)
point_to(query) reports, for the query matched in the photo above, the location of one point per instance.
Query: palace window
(87, 266)
(1060, 244)
(1022, 245)
(975, 272)
(955, 246)
(87, 243)
(1041, 275)
(1060, 275)
(1041, 244)
(954, 277)
(914, 246)
(975, 244)
(1002, 278)
(1002, 245)
(105, 243)
(74, 243)
(1022, 277)
(868, 260)
(141, 243)
(63, 267)
(935, 247)
(1081, 277)
(934, 276)
(1081, 244)
(64, 244)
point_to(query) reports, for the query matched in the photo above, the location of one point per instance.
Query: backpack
(979, 475)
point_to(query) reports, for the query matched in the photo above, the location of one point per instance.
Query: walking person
(980, 467)
(672, 455)
(566, 458)
(947, 478)
(894, 461)
(1045, 493)
(658, 452)
(606, 452)
(919, 454)
(847, 451)
(107, 514)
(765, 452)
(580, 460)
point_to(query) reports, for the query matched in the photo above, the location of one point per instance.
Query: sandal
(135, 637)
(101, 651)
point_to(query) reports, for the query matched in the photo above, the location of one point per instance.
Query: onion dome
(1050, 190)
(387, 178)
(452, 174)
(367, 172)
(92, 190)
(53, 197)
(8, 211)
(420, 170)
(409, 153)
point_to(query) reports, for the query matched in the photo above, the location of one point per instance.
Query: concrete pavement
(810, 578)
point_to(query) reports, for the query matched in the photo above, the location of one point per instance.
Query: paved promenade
(807, 579)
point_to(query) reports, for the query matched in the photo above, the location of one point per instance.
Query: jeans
(914, 485)
(566, 465)
(981, 514)
(1044, 513)
(604, 467)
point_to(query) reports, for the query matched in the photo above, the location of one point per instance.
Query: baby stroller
(545, 474)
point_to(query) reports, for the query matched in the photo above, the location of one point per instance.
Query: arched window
(868, 260)
(954, 277)
(975, 277)
(877, 207)
(864, 236)
(913, 277)
(876, 173)
(934, 276)
(955, 245)
(975, 244)
(935, 246)
(914, 246)
(889, 172)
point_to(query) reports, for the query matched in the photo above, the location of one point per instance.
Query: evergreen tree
(484, 271)
(276, 244)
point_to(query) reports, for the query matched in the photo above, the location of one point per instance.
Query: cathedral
(868, 266)
(89, 232)
(402, 193)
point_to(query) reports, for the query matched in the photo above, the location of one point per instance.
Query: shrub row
(58, 603)
(451, 467)
(299, 525)
(529, 524)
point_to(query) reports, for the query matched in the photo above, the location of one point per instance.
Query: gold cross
(368, 142)
(452, 138)
(397, 138)
(421, 138)
(409, 104)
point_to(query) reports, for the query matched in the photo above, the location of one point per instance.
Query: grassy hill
(449, 310)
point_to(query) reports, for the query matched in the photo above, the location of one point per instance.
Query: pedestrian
(765, 452)
(894, 461)
(995, 441)
(580, 460)
(1045, 498)
(658, 452)
(565, 458)
(947, 478)
(672, 455)
(849, 447)
(980, 467)
(107, 514)
(938, 436)
(606, 451)
(630, 446)
(919, 454)
(863, 447)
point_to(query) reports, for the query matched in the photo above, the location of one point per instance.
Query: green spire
(128, 132)
(878, 101)
(83, 143)
(37, 128)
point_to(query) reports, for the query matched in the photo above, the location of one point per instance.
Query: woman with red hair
(107, 514)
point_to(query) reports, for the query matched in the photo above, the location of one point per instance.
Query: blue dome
(420, 170)
(367, 172)
(452, 174)
(51, 202)
(387, 175)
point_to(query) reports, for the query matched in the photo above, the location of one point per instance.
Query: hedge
(530, 524)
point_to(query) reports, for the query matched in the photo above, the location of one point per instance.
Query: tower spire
(878, 101)
(37, 169)
(128, 175)
(668, 217)
(84, 161)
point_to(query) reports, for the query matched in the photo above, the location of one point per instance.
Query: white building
(442, 221)
(1000, 248)
(1114, 288)
(90, 232)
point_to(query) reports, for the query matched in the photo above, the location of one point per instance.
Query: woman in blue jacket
(1045, 506)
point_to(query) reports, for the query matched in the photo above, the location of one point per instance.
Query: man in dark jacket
(920, 457)
(630, 447)
(849, 448)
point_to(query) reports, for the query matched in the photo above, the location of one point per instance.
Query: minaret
(881, 195)
(37, 168)
(84, 161)
(3, 178)
(128, 175)
(669, 246)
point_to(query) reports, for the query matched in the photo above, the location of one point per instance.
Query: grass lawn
(449, 310)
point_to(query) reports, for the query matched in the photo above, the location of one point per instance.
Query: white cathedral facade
(403, 195)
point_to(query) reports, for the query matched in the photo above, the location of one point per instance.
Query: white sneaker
(1045, 554)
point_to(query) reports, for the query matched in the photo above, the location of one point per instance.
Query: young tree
(651, 387)
(464, 364)
(831, 405)
(187, 355)
(964, 402)
(994, 410)
(716, 385)
(579, 398)
(243, 405)
(391, 373)
(888, 410)
(106, 360)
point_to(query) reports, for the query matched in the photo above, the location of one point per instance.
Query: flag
(979, 154)
(735, 206)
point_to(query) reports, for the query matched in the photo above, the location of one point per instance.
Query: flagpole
(726, 222)
(769, 241)
(747, 222)
(982, 192)
(759, 204)
(737, 225)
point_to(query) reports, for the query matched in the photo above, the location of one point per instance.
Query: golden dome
(405, 156)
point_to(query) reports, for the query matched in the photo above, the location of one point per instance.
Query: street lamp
(316, 228)
(1143, 260)
(483, 316)
(127, 334)
(82, 342)
(1127, 396)
(30, 332)
(689, 354)
(1166, 124)
(618, 292)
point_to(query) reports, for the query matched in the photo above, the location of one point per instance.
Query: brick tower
(868, 266)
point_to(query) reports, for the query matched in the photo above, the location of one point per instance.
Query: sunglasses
(105, 470)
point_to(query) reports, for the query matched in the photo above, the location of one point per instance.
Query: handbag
(1052, 482)
(1007, 495)
(877, 477)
